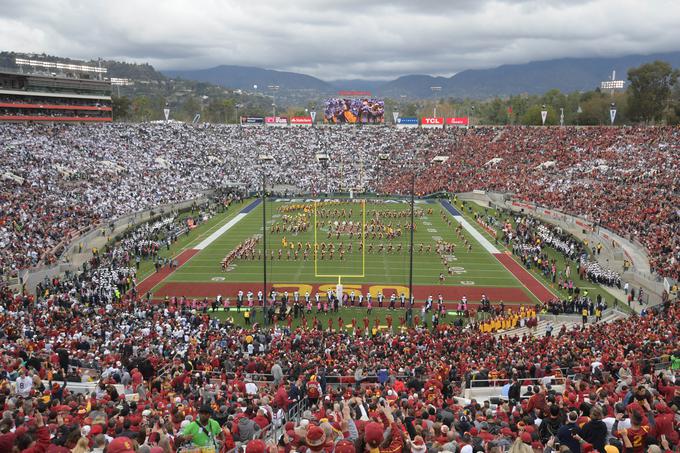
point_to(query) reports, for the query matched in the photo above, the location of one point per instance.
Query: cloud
(349, 39)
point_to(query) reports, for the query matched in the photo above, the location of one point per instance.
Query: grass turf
(476, 267)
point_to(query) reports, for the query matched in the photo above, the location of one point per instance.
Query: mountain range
(566, 74)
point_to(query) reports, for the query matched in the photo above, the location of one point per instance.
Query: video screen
(352, 111)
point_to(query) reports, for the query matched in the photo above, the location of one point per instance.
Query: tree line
(651, 97)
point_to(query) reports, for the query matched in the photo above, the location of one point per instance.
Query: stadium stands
(173, 361)
(622, 178)
(153, 373)
(53, 97)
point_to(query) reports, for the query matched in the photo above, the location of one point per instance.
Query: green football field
(374, 260)
(376, 263)
(381, 266)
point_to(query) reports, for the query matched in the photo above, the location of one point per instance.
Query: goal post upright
(316, 247)
(340, 276)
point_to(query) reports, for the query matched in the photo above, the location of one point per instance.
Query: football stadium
(357, 273)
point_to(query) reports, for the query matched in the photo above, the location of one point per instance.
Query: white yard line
(223, 229)
(488, 246)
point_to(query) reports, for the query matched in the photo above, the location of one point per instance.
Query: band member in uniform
(239, 300)
(428, 303)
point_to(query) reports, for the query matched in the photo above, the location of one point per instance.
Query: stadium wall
(583, 229)
(72, 261)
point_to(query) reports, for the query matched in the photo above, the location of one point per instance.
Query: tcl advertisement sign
(276, 121)
(457, 121)
(432, 122)
(301, 121)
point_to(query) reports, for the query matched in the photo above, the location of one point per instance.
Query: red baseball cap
(121, 445)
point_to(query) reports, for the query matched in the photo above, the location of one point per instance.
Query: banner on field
(432, 122)
(301, 121)
(276, 121)
(463, 121)
(407, 121)
(252, 120)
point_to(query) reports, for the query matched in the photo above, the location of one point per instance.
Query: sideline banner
(463, 121)
(430, 122)
(407, 121)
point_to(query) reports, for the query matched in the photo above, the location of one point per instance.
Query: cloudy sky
(373, 39)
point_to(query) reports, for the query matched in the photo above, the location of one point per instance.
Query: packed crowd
(57, 180)
(54, 113)
(507, 320)
(624, 179)
(528, 239)
(578, 304)
(172, 377)
(41, 100)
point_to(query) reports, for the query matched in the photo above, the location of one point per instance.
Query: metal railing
(267, 378)
(271, 432)
(500, 382)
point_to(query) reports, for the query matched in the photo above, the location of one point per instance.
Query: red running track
(529, 281)
(154, 279)
(449, 293)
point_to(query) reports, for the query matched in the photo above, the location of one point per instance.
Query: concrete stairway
(570, 321)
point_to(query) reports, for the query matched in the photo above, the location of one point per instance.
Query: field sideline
(472, 273)
(485, 268)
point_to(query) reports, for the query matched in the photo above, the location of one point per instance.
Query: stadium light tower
(264, 159)
(417, 170)
(274, 89)
(612, 84)
(435, 90)
(119, 82)
(238, 119)
(324, 159)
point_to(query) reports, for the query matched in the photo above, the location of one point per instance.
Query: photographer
(204, 432)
